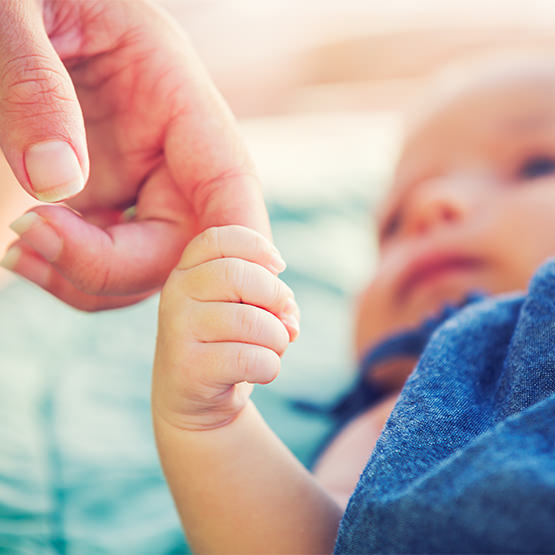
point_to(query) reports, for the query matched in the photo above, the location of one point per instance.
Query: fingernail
(277, 265)
(30, 267)
(129, 214)
(53, 170)
(25, 222)
(290, 320)
(290, 307)
(39, 235)
(292, 323)
(11, 257)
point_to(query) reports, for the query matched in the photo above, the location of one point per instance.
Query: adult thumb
(42, 132)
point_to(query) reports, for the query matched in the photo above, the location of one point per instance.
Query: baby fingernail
(36, 232)
(289, 317)
(290, 307)
(54, 170)
(10, 259)
(290, 321)
(277, 265)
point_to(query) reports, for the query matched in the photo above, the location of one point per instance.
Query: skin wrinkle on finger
(35, 269)
(102, 273)
(210, 242)
(38, 99)
(235, 274)
(248, 360)
(20, 65)
(231, 241)
(216, 322)
(134, 53)
(36, 91)
(126, 105)
(204, 193)
(98, 274)
(240, 281)
(99, 271)
(289, 320)
(89, 28)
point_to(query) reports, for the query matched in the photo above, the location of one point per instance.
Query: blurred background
(320, 88)
(311, 78)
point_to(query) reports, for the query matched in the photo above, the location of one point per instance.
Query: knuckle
(245, 362)
(260, 244)
(274, 365)
(282, 341)
(278, 292)
(29, 83)
(210, 240)
(198, 383)
(92, 278)
(235, 274)
(249, 322)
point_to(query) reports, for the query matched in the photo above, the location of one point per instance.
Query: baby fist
(225, 319)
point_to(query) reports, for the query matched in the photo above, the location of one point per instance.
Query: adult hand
(119, 78)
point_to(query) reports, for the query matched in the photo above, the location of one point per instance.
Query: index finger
(207, 155)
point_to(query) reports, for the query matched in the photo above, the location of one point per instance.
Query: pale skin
(81, 83)
(237, 488)
(476, 176)
(225, 320)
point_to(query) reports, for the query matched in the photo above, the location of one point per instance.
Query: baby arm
(225, 319)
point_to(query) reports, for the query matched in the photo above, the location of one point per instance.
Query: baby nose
(436, 204)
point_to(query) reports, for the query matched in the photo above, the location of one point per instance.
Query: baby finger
(216, 322)
(230, 363)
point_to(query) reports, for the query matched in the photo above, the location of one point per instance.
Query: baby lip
(426, 266)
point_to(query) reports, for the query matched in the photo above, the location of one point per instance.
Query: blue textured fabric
(466, 461)
(363, 393)
(408, 343)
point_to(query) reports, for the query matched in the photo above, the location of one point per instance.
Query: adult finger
(42, 131)
(207, 156)
(27, 263)
(124, 259)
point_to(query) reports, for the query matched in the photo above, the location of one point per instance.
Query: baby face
(472, 205)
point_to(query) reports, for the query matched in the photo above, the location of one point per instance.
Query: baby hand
(225, 319)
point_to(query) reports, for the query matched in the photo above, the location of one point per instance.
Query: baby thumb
(42, 132)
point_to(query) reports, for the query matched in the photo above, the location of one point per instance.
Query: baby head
(472, 204)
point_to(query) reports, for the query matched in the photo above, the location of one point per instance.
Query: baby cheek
(519, 234)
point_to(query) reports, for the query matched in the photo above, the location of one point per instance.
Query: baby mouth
(429, 268)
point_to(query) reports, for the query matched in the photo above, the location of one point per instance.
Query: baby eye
(391, 226)
(538, 166)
